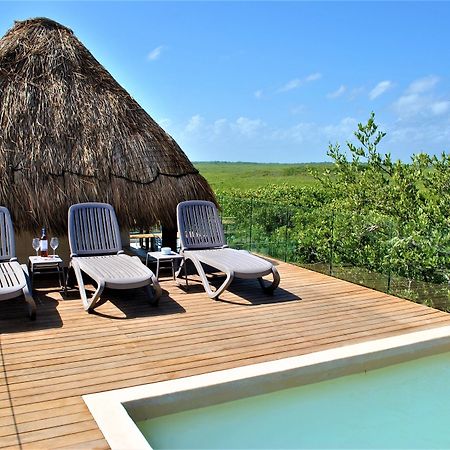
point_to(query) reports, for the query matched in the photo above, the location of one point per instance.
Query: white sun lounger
(96, 250)
(14, 279)
(203, 243)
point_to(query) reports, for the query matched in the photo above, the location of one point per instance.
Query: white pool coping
(112, 409)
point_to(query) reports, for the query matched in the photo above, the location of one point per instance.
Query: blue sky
(272, 81)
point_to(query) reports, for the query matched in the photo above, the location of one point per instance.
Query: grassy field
(242, 175)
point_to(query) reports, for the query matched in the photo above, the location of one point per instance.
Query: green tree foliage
(397, 213)
(367, 211)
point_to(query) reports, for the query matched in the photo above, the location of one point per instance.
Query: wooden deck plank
(194, 344)
(222, 351)
(191, 340)
(350, 302)
(49, 364)
(272, 340)
(214, 322)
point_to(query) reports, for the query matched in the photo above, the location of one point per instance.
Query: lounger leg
(27, 294)
(182, 267)
(95, 297)
(276, 281)
(224, 285)
(212, 294)
(156, 288)
(89, 304)
(31, 304)
(69, 278)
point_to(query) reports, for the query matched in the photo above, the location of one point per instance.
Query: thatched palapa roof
(70, 133)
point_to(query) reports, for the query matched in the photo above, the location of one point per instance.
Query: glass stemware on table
(54, 243)
(36, 245)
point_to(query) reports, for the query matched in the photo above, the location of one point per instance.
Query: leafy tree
(399, 220)
(368, 212)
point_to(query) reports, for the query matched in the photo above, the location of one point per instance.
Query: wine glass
(54, 242)
(36, 244)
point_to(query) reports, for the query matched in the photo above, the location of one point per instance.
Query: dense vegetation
(403, 207)
(365, 211)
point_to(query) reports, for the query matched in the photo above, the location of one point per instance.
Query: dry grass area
(47, 365)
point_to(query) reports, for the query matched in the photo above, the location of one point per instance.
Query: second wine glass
(54, 242)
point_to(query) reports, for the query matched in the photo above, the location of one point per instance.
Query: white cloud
(194, 124)
(242, 126)
(380, 89)
(258, 94)
(298, 134)
(164, 122)
(219, 126)
(421, 100)
(409, 105)
(252, 139)
(155, 53)
(248, 127)
(313, 77)
(256, 130)
(423, 85)
(342, 130)
(429, 137)
(316, 135)
(293, 84)
(297, 82)
(440, 107)
(338, 92)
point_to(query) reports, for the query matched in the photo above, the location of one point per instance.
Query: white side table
(161, 257)
(43, 265)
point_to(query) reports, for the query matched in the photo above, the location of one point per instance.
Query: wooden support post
(169, 237)
(147, 241)
(141, 241)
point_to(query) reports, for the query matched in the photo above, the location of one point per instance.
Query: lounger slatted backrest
(7, 243)
(199, 225)
(93, 229)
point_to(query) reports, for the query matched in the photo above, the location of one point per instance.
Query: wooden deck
(46, 366)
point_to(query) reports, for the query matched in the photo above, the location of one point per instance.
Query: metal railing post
(251, 225)
(391, 235)
(331, 242)
(286, 234)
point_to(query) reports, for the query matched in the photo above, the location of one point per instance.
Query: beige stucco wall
(24, 248)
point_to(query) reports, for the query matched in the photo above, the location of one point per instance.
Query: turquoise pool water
(401, 406)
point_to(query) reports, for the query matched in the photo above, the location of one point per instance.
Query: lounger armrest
(13, 259)
(120, 252)
(73, 255)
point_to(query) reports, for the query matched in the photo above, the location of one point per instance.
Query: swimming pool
(372, 395)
